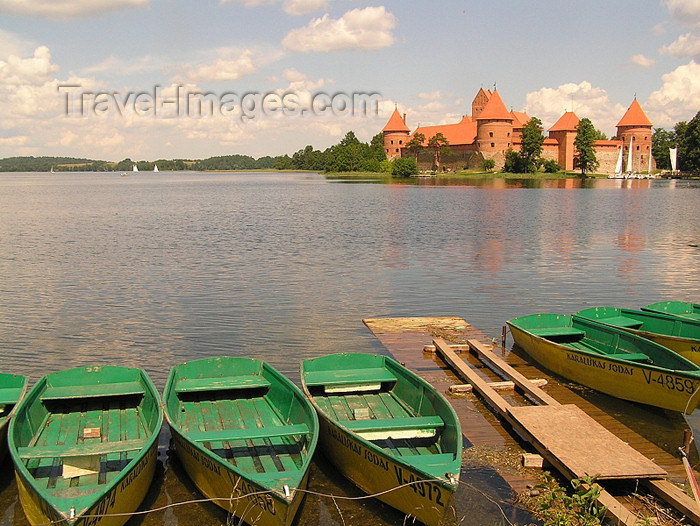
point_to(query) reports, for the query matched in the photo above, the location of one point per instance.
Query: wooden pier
(571, 434)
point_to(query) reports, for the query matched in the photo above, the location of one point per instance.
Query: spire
(495, 109)
(634, 116)
(566, 122)
(396, 123)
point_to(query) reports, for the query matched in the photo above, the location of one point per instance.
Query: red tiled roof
(396, 123)
(634, 116)
(495, 109)
(464, 132)
(566, 122)
(520, 119)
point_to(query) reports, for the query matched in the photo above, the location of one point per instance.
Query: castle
(492, 130)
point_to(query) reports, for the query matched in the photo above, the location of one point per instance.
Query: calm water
(152, 270)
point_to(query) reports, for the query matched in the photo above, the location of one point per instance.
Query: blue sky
(429, 58)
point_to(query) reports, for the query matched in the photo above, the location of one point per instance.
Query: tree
(585, 157)
(404, 167)
(689, 144)
(600, 136)
(415, 145)
(440, 146)
(531, 149)
(514, 162)
(661, 141)
(488, 165)
(551, 166)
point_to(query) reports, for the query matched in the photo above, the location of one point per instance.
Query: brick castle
(492, 130)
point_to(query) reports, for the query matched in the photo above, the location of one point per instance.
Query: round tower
(494, 130)
(634, 129)
(396, 135)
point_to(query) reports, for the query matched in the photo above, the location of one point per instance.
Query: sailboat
(155, 167)
(673, 152)
(630, 173)
(135, 168)
(618, 167)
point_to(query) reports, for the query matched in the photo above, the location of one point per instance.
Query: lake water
(152, 270)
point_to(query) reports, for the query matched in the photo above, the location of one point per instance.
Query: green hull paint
(609, 359)
(84, 445)
(387, 430)
(243, 432)
(676, 308)
(681, 335)
(13, 387)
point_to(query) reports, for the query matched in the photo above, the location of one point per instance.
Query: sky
(151, 79)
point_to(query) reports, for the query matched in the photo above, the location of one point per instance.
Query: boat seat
(394, 424)
(545, 332)
(10, 395)
(428, 461)
(71, 392)
(250, 433)
(344, 377)
(622, 321)
(86, 449)
(630, 356)
(224, 383)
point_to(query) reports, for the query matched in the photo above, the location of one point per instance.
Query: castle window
(392, 141)
(508, 134)
(400, 142)
(493, 145)
(490, 134)
(397, 150)
(637, 148)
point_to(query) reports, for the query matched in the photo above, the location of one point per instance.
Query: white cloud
(642, 61)
(124, 66)
(548, 104)
(17, 71)
(687, 12)
(678, 98)
(11, 44)
(686, 46)
(223, 68)
(433, 95)
(66, 8)
(17, 140)
(363, 29)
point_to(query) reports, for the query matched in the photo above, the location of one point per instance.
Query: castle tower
(494, 130)
(635, 128)
(564, 131)
(395, 135)
(480, 101)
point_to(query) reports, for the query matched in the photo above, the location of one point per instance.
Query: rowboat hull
(123, 498)
(84, 445)
(656, 386)
(244, 434)
(680, 335)
(387, 430)
(13, 387)
(237, 495)
(676, 308)
(397, 484)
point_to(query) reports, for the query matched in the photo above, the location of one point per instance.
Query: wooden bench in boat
(622, 321)
(86, 449)
(425, 462)
(629, 356)
(223, 383)
(406, 427)
(10, 395)
(349, 379)
(250, 433)
(69, 392)
(545, 332)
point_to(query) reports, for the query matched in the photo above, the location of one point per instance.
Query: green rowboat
(387, 430)
(84, 444)
(609, 360)
(12, 388)
(681, 335)
(676, 308)
(244, 433)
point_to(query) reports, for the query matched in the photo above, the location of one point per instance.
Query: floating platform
(575, 437)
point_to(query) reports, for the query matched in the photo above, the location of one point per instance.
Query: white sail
(674, 158)
(135, 169)
(649, 170)
(618, 166)
(155, 167)
(629, 156)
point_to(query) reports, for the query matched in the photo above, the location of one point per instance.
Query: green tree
(415, 145)
(661, 141)
(689, 144)
(404, 167)
(440, 146)
(376, 146)
(585, 158)
(531, 149)
(514, 162)
(600, 136)
(551, 166)
(488, 165)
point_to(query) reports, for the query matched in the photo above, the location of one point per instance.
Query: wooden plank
(675, 496)
(488, 356)
(101, 448)
(581, 444)
(497, 386)
(616, 512)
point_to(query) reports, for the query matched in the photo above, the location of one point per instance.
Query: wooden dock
(606, 447)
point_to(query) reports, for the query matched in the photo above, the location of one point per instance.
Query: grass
(464, 174)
